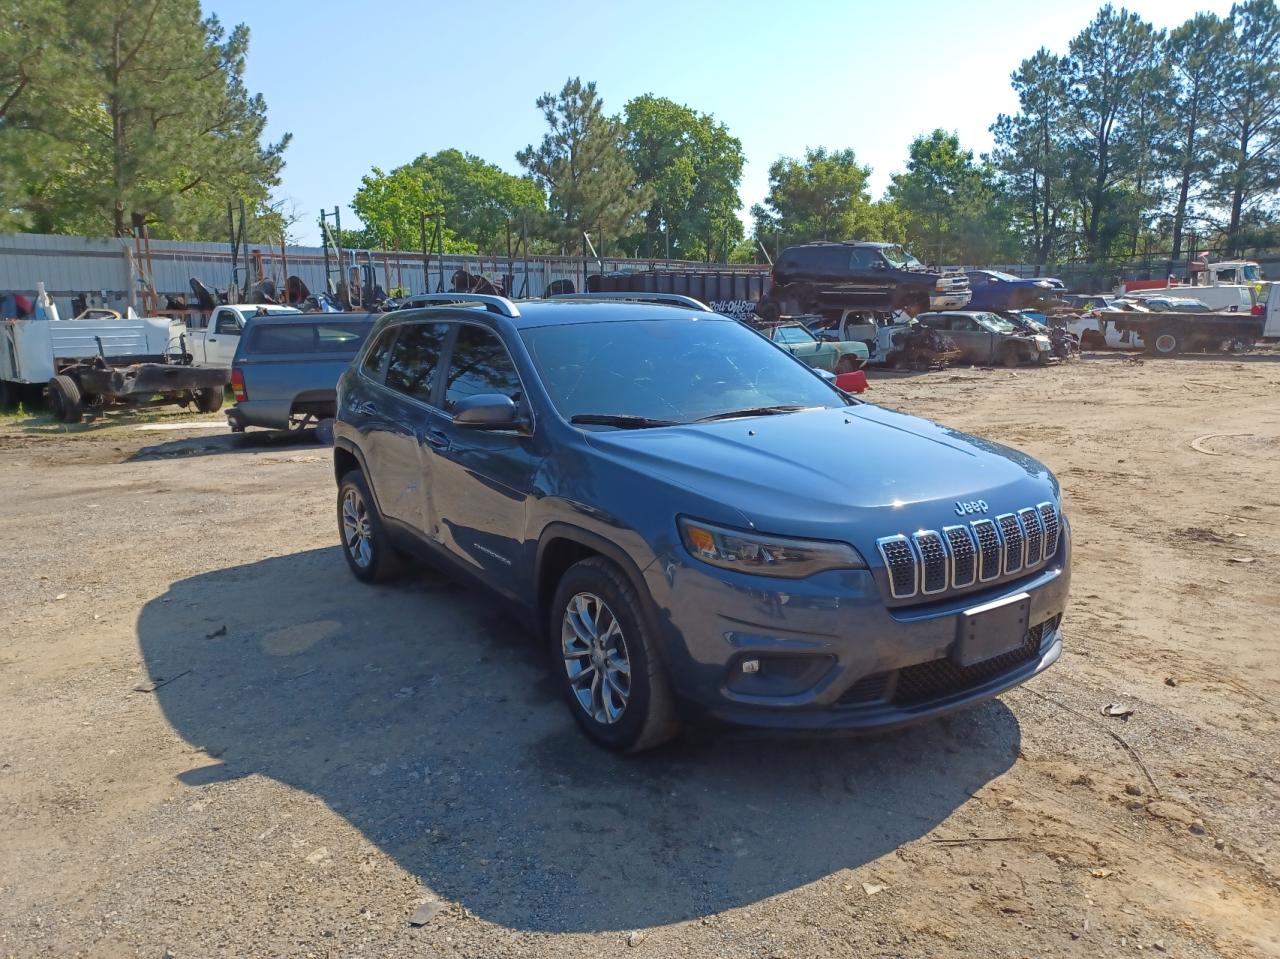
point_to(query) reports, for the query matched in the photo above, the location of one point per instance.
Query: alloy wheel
(356, 531)
(595, 658)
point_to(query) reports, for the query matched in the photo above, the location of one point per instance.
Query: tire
(594, 593)
(370, 555)
(210, 400)
(235, 420)
(10, 393)
(1011, 357)
(848, 364)
(324, 432)
(1166, 342)
(65, 401)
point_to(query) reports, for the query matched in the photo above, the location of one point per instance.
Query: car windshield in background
(793, 335)
(659, 372)
(307, 337)
(899, 258)
(997, 323)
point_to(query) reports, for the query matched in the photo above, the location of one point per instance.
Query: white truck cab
(213, 341)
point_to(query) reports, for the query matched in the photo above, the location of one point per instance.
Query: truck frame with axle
(91, 363)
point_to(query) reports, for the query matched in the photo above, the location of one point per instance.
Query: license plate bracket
(992, 629)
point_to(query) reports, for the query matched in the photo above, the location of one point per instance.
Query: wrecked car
(986, 339)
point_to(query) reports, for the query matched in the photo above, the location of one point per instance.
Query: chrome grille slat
(1015, 544)
(1052, 528)
(964, 556)
(989, 549)
(935, 565)
(900, 562)
(1033, 527)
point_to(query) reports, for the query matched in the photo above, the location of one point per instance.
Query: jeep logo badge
(973, 506)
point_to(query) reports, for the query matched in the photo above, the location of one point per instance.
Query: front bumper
(950, 300)
(862, 664)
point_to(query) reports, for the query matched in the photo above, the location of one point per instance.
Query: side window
(227, 324)
(378, 354)
(414, 359)
(862, 259)
(933, 321)
(965, 324)
(835, 260)
(480, 364)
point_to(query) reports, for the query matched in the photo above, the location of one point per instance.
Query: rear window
(342, 338)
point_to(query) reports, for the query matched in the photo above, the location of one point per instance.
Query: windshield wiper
(753, 411)
(622, 420)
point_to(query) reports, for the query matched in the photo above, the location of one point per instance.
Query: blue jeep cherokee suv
(700, 525)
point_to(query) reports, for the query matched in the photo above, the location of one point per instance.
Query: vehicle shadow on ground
(425, 716)
(256, 441)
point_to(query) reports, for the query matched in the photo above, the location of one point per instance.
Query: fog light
(751, 665)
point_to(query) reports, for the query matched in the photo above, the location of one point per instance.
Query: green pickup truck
(843, 357)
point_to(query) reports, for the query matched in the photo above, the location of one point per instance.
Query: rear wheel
(209, 400)
(607, 659)
(324, 432)
(1166, 342)
(65, 401)
(368, 551)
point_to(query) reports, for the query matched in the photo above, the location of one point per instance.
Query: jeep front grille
(929, 562)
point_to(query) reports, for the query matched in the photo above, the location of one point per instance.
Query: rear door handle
(437, 440)
(364, 409)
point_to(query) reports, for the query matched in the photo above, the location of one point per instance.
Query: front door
(394, 422)
(481, 480)
(222, 338)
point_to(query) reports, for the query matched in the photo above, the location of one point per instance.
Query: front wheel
(368, 551)
(607, 661)
(1011, 358)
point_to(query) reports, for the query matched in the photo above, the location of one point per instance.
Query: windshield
(995, 323)
(669, 370)
(792, 335)
(899, 258)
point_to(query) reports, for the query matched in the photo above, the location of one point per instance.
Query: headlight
(1042, 342)
(765, 555)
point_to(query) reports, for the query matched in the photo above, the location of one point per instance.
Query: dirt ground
(214, 742)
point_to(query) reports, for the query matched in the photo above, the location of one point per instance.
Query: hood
(852, 474)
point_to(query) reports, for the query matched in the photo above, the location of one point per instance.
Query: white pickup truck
(213, 342)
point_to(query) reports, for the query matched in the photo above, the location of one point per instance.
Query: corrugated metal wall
(71, 266)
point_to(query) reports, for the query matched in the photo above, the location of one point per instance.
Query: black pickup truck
(830, 278)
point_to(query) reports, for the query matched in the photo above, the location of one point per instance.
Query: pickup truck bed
(1169, 333)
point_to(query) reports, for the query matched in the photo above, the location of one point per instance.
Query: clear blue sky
(411, 77)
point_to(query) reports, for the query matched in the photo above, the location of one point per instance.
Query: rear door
(393, 417)
(481, 480)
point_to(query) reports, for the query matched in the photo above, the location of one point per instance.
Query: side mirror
(486, 411)
(879, 264)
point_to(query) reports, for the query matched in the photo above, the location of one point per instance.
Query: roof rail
(494, 304)
(670, 299)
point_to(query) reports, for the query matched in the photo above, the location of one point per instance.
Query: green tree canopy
(950, 208)
(128, 108)
(821, 197)
(476, 198)
(692, 167)
(583, 167)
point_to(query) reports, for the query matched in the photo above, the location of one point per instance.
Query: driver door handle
(364, 409)
(437, 440)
